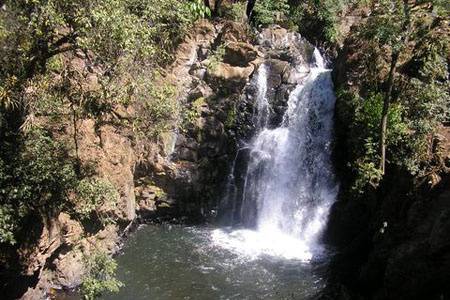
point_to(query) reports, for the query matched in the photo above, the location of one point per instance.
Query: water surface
(173, 262)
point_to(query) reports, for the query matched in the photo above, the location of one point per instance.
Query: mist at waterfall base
(286, 192)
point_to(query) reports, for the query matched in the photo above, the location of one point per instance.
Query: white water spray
(289, 181)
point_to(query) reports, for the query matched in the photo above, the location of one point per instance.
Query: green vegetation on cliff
(65, 64)
(396, 94)
(100, 276)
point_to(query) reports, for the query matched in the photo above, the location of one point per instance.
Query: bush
(236, 12)
(216, 57)
(198, 9)
(158, 110)
(100, 276)
(267, 12)
(320, 20)
(35, 178)
(91, 195)
(7, 224)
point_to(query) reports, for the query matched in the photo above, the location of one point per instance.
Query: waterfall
(289, 183)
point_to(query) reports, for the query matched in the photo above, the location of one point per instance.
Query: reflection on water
(168, 262)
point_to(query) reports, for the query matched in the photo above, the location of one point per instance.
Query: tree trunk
(75, 139)
(217, 8)
(250, 6)
(385, 112)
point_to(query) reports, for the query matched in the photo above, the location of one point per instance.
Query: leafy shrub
(36, 179)
(230, 122)
(92, 194)
(169, 20)
(198, 9)
(268, 12)
(157, 108)
(192, 113)
(7, 224)
(44, 172)
(320, 20)
(100, 276)
(367, 171)
(362, 116)
(216, 57)
(235, 12)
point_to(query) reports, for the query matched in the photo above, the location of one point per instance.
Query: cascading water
(289, 184)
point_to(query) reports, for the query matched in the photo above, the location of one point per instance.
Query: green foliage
(235, 12)
(420, 97)
(198, 9)
(157, 108)
(7, 224)
(44, 172)
(169, 20)
(92, 194)
(100, 276)
(34, 178)
(113, 33)
(387, 25)
(268, 12)
(230, 122)
(367, 171)
(216, 57)
(363, 117)
(191, 114)
(319, 20)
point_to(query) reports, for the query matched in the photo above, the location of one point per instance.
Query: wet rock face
(214, 74)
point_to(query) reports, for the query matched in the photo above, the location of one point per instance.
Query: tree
(394, 25)
(398, 39)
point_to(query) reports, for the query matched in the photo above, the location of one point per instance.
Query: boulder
(200, 91)
(239, 54)
(71, 230)
(187, 154)
(285, 45)
(229, 76)
(234, 32)
(69, 269)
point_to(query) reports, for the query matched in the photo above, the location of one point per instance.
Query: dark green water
(171, 262)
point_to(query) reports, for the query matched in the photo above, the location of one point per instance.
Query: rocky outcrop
(239, 54)
(114, 158)
(231, 77)
(59, 257)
